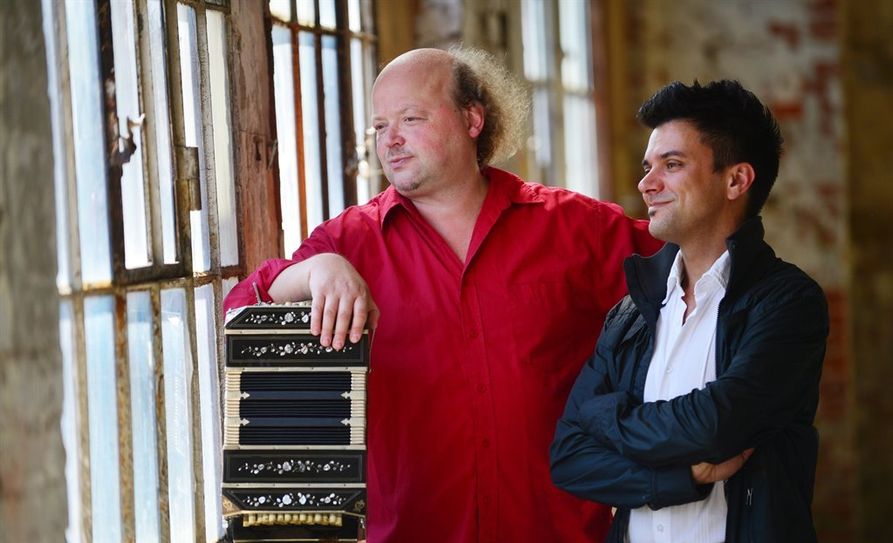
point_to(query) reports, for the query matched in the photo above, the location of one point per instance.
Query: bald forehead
(419, 64)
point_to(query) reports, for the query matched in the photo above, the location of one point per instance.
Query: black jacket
(772, 326)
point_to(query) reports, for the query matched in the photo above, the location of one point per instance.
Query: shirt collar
(719, 271)
(505, 188)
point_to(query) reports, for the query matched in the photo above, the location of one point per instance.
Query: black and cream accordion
(294, 445)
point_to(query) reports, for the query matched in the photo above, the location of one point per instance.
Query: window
(159, 152)
(323, 54)
(147, 246)
(557, 52)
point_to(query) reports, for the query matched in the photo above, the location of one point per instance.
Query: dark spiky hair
(732, 122)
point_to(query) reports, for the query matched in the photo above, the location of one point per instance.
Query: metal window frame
(343, 36)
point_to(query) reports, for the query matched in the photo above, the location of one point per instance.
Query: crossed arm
(611, 448)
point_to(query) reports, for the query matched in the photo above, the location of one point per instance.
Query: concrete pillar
(32, 460)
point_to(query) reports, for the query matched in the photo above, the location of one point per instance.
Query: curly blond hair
(481, 78)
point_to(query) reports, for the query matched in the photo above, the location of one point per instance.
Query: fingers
(342, 306)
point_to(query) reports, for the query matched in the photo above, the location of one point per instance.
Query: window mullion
(321, 119)
(196, 415)
(125, 430)
(113, 159)
(182, 173)
(207, 135)
(299, 123)
(83, 416)
(349, 160)
(164, 528)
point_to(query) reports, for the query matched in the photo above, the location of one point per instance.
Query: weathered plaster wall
(32, 461)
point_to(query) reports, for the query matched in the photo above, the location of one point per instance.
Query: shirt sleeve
(257, 284)
(619, 236)
(765, 389)
(587, 468)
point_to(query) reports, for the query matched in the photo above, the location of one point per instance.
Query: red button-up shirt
(472, 362)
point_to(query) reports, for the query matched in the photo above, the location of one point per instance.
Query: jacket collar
(505, 189)
(646, 277)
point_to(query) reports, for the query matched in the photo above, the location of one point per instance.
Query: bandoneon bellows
(294, 446)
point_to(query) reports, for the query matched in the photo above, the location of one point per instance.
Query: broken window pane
(192, 121)
(127, 97)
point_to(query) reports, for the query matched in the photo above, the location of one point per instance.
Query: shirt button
(486, 500)
(473, 334)
(660, 527)
(485, 443)
(482, 388)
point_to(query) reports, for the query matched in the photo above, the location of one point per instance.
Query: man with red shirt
(489, 291)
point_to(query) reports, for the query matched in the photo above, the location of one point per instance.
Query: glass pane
(99, 332)
(60, 149)
(161, 126)
(353, 15)
(228, 285)
(327, 13)
(581, 170)
(575, 65)
(209, 387)
(192, 120)
(306, 12)
(310, 130)
(90, 158)
(223, 148)
(334, 156)
(358, 83)
(533, 32)
(374, 168)
(142, 408)
(542, 125)
(70, 420)
(177, 413)
(133, 192)
(284, 89)
(281, 9)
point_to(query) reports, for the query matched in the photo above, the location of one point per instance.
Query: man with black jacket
(694, 417)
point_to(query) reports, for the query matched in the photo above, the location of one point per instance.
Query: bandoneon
(294, 451)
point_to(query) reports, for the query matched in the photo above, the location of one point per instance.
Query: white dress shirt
(685, 359)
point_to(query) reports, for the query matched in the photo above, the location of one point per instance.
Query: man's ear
(740, 178)
(474, 118)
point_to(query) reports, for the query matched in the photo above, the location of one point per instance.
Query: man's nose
(649, 182)
(391, 137)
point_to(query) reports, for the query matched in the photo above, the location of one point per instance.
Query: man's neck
(453, 212)
(696, 260)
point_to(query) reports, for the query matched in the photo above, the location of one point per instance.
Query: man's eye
(673, 165)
